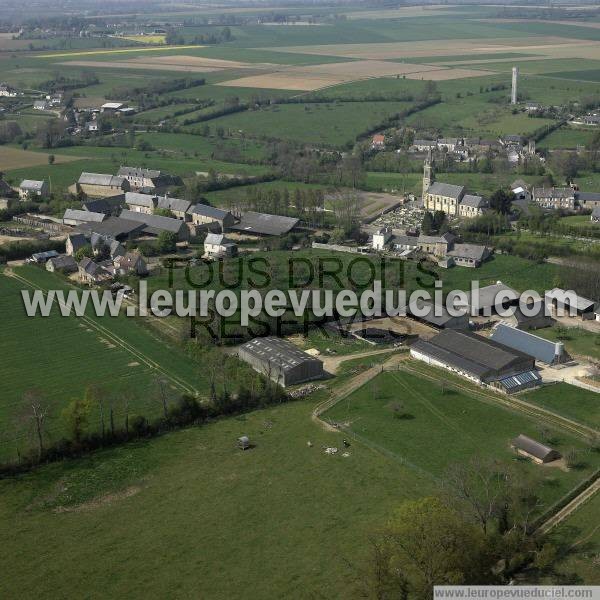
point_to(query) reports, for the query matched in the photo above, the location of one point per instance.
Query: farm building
(437, 316)
(42, 257)
(100, 185)
(564, 300)
(261, 224)
(216, 245)
(595, 216)
(131, 263)
(537, 319)
(489, 299)
(141, 203)
(479, 359)
(539, 453)
(29, 189)
(212, 218)
(521, 190)
(61, 264)
(468, 255)
(178, 207)
(75, 241)
(588, 199)
(280, 360)
(111, 107)
(76, 217)
(113, 246)
(108, 206)
(90, 271)
(545, 351)
(155, 224)
(114, 228)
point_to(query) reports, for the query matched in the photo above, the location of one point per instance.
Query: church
(447, 197)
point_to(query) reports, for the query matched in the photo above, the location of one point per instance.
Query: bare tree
(35, 411)
(480, 486)
(163, 394)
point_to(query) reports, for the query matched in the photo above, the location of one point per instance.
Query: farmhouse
(100, 185)
(62, 263)
(155, 224)
(262, 224)
(280, 361)
(131, 263)
(539, 453)
(105, 244)
(554, 197)
(210, 217)
(381, 238)
(378, 142)
(76, 217)
(479, 359)
(468, 255)
(216, 245)
(588, 199)
(151, 180)
(30, 189)
(141, 203)
(424, 145)
(178, 207)
(557, 298)
(91, 272)
(545, 351)
(438, 245)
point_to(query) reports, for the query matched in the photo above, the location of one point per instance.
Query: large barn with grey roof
(479, 359)
(281, 361)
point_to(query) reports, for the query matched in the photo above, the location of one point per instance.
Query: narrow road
(572, 506)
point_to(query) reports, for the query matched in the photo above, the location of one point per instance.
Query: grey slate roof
(280, 353)
(473, 201)
(405, 240)
(154, 223)
(174, 204)
(63, 261)
(208, 211)
(581, 303)
(553, 193)
(472, 251)
(114, 227)
(43, 256)
(543, 350)
(522, 442)
(83, 215)
(446, 189)
(97, 206)
(78, 240)
(471, 353)
(260, 223)
(101, 179)
(138, 172)
(446, 238)
(588, 196)
(136, 199)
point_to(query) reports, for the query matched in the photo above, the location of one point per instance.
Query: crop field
(443, 427)
(577, 341)
(567, 137)
(570, 401)
(61, 356)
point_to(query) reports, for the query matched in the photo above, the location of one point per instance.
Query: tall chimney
(515, 78)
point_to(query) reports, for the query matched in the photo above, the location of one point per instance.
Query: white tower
(515, 78)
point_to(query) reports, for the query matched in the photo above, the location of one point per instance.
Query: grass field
(306, 516)
(15, 158)
(577, 341)
(570, 401)
(116, 354)
(330, 124)
(462, 427)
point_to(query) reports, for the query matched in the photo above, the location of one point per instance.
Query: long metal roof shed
(264, 224)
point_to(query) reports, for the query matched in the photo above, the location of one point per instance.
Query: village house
(437, 245)
(216, 245)
(100, 185)
(30, 189)
(424, 145)
(378, 142)
(555, 198)
(588, 199)
(104, 244)
(141, 203)
(179, 208)
(75, 242)
(7, 91)
(468, 255)
(472, 206)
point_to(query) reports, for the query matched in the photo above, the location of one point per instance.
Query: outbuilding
(280, 361)
(537, 452)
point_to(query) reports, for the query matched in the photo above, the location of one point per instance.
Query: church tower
(427, 174)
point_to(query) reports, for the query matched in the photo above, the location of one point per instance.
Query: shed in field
(536, 451)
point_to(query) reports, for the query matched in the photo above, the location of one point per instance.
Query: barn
(281, 361)
(479, 359)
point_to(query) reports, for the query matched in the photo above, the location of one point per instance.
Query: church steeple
(428, 174)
